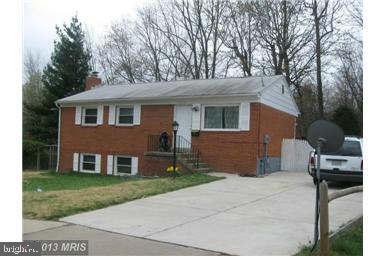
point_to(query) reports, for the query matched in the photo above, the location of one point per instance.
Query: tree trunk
(318, 62)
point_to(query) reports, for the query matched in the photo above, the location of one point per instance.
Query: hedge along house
(222, 122)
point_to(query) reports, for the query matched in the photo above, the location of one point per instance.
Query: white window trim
(83, 115)
(117, 115)
(219, 129)
(81, 163)
(115, 172)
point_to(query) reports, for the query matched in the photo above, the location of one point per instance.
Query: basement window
(88, 162)
(123, 164)
(221, 117)
(90, 116)
(125, 115)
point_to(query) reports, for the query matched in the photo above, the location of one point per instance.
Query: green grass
(67, 194)
(51, 181)
(349, 243)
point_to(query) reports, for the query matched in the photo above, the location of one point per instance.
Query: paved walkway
(104, 242)
(238, 215)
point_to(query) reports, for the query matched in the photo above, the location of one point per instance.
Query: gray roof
(176, 89)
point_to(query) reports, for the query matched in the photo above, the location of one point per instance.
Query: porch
(187, 155)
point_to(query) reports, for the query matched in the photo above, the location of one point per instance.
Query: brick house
(222, 124)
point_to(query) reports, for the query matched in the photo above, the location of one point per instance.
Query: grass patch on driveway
(349, 243)
(67, 194)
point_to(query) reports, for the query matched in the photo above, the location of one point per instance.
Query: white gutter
(58, 138)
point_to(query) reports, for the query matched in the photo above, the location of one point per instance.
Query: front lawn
(349, 243)
(49, 181)
(67, 194)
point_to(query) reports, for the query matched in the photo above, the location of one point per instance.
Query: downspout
(258, 136)
(58, 138)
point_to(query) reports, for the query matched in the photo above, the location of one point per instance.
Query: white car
(346, 164)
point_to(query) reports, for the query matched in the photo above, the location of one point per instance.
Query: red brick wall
(278, 125)
(234, 152)
(237, 152)
(106, 139)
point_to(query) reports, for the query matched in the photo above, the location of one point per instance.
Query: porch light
(175, 126)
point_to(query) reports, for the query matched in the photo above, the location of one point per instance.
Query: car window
(349, 148)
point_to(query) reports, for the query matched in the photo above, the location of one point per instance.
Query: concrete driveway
(238, 215)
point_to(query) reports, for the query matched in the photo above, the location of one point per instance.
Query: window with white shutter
(89, 115)
(125, 115)
(124, 165)
(88, 162)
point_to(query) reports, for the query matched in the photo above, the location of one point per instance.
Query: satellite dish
(331, 135)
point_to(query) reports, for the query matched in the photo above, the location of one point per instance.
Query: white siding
(272, 96)
(78, 115)
(112, 115)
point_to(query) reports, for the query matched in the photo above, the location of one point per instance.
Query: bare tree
(284, 36)
(323, 14)
(151, 40)
(31, 66)
(33, 90)
(119, 56)
(239, 35)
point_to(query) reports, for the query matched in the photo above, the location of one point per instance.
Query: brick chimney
(92, 80)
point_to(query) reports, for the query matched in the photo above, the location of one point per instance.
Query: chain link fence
(39, 156)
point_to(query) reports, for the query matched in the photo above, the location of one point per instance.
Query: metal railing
(43, 157)
(184, 148)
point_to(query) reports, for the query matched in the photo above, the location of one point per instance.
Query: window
(349, 148)
(90, 116)
(125, 115)
(123, 164)
(88, 162)
(221, 117)
(282, 89)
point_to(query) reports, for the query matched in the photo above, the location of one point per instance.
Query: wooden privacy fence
(295, 155)
(324, 212)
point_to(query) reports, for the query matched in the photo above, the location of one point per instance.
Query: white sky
(41, 16)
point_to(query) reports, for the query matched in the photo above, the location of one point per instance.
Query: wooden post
(324, 220)
(38, 159)
(50, 157)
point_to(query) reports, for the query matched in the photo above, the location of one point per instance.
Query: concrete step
(203, 169)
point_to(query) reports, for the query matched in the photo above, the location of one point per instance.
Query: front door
(183, 115)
